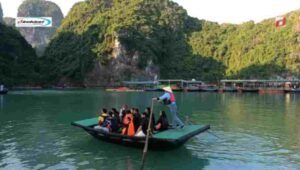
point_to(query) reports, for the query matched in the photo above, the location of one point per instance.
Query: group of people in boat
(130, 121)
(133, 123)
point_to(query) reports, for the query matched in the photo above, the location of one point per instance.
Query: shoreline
(53, 88)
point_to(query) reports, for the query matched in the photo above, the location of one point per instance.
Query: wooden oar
(147, 137)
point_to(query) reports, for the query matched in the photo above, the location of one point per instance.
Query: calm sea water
(253, 132)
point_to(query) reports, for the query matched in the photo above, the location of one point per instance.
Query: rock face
(40, 37)
(1, 14)
(122, 66)
(9, 21)
(106, 41)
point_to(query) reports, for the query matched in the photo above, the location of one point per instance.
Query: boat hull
(292, 91)
(168, 139)
(209, 90)
(3, 92)
(271, 91)
(249, 90)
(230, 90)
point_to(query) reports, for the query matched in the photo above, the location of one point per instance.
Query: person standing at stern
(168, 98)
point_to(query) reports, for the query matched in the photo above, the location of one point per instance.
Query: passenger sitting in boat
(136, 119)
(104, 121)
(102, 117)
(116, 115)
(114, 124)
(162, 123)
(122, 111)
(128, 124)
(142, 130)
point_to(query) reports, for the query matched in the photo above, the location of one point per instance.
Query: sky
(221, 11)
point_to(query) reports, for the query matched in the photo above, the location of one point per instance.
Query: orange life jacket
(128, 122)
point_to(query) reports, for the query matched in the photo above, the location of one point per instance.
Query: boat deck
(170, 134)
(174, 134)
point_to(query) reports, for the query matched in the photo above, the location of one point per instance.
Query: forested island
(102, 42)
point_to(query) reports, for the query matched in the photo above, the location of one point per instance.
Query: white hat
(168, 89)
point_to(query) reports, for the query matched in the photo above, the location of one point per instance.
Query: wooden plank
(174, 134)
(87, 122)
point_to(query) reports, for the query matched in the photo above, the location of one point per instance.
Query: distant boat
(271, 90)
(292, 90)
(228, 89)
(153, 89)
(123, 89)
(209, 88)
(249, 89)
(167, 139)
(3, 91)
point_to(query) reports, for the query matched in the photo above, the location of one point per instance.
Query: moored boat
(209, 88)
(271, 90)
(4, 91)
(153, 89)
(292, 90)
(249, 90)
(228, 89)
(168, 139)
(123, 89)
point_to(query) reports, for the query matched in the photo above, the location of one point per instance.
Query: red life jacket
(172, 97)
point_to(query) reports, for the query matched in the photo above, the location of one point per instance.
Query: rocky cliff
(106, 41)
(10, 21)
(1, 13)
(40, 37)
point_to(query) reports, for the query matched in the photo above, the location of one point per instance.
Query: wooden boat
(153, 89)
(123, 89)
(228, 89)
(209, 88)
(192, 89)
(271, 90)
(249, 90)
(4, 91)
(168, 139)
(292, 90)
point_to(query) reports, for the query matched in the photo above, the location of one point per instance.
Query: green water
(255, 132)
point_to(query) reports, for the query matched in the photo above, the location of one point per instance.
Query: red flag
(280, 21)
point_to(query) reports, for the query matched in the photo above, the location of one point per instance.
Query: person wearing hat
(168, 98)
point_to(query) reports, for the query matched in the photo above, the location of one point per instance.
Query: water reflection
(256, 132)
(1, 102)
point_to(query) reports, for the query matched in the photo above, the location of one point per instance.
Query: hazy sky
(230, 11)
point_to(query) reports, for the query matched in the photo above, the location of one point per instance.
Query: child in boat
(162, 123)
(142, 130)
(104, 121)
(102, 117)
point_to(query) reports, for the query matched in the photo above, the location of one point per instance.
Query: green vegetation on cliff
(161, 32)
(17, 58)
(157, 31)
(252, 50)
